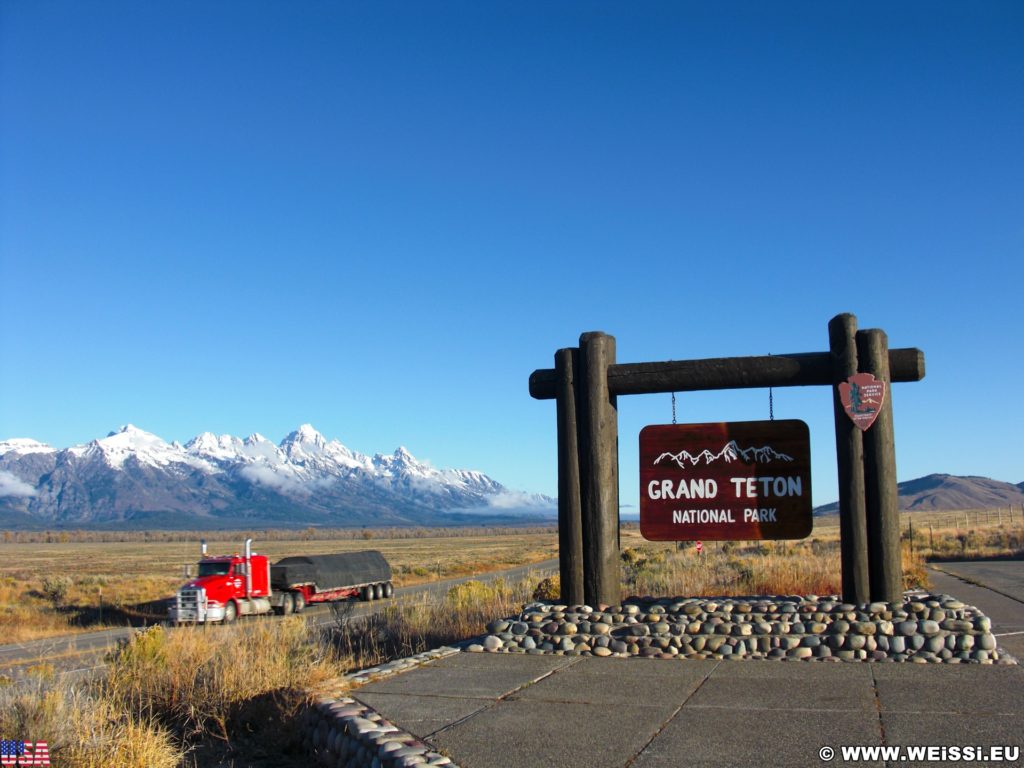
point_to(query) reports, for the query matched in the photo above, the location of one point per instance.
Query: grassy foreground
(182, 698)
(227, 696)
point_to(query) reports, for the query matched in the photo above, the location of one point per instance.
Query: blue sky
(380, 218)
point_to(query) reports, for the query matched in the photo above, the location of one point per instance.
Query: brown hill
(939, 492)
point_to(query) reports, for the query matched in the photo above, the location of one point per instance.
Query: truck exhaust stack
(202, 547)
(248, 568)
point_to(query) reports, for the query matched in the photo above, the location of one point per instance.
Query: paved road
(994, 586)
(1003, 576)
(81, 653)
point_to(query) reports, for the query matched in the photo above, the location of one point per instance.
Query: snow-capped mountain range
(730, 452)
(134, 478)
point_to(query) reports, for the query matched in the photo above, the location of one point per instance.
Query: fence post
(884, 561)
(599, 470)
(570, 520)
(853, 542)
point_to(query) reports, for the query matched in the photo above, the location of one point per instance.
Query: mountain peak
(942, 491)
(306, 433)
(24, 445)
(202, 440)
(127, 429)
(130, 435)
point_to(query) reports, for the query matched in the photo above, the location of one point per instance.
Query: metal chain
(673, 407)
(771, 401)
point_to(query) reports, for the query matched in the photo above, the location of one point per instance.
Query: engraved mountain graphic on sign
(730, 452)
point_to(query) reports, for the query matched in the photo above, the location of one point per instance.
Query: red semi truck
(229, 586)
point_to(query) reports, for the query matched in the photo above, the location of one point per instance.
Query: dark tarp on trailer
(348, 569)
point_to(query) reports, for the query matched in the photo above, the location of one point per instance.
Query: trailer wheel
(300, 602)
(378, 591)
(367, 593)
(389, 590)
(230, 612)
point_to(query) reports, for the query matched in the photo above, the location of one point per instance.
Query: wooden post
(570, 521)
(598, 425)
(931, 538)
(910, 523)
(884, 561)
(853, 543)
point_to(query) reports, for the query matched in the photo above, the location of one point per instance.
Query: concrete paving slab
(906, 729)
(756, 737)
(422, 715)
(604, 683)
(472, 675)
(819, 672)
(531, 734)
(955, 674)
(951, 689)
(633, 668)
(525, 661)
(772, 694)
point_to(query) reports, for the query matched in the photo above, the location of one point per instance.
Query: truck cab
(225, 587)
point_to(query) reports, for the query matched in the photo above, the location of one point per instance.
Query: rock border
(923, 628)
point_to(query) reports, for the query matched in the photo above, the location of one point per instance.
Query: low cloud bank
(10, 485)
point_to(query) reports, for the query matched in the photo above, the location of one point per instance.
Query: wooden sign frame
(586, 382)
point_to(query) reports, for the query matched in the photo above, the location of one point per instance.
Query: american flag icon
(10, 751)
(24, 753)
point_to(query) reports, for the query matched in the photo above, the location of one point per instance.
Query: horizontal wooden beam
(798, 370)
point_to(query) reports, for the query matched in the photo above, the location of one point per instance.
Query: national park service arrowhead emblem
(862, 396)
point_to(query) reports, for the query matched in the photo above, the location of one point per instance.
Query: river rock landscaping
(924, 628)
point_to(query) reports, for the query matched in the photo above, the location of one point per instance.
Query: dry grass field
(53, 588)
(50, 586)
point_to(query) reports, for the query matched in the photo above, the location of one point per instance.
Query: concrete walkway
(486, 710)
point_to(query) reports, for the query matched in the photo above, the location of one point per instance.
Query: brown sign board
(738, 480)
